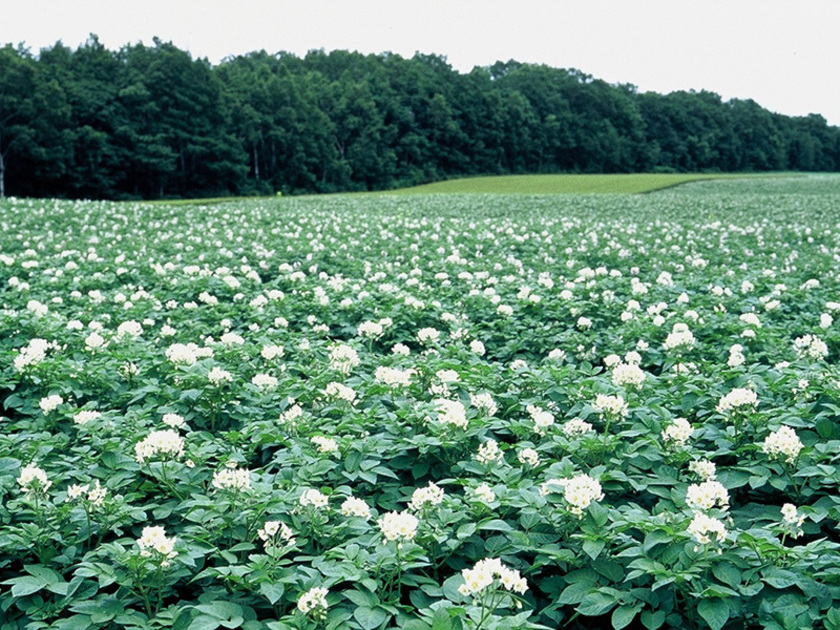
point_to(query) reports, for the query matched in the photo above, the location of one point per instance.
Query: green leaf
(595, 604)
(623, 615)
(205, 622)
(496, 525)
(466, 530)
(613, 571)
(727, 573)
(272, 591)
(337, 618)
(76, 622)
(599, 514)
(780, 578)
(652, 620)
(656, 537)
(362, 598)
(13, 401)
(370, 618)
(227, 614)
(825, 428)
(688, 401)
(441, 620)
(714, 611)
(24, 586)
(593, 548)
(575, 593)
(48, 576)
(529, 518)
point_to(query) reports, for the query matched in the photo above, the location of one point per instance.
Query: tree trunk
(256, 163)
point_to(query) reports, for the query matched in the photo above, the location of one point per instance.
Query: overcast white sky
(784, 54)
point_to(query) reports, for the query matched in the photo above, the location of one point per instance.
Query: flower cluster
(707, 495)
(628, 375)
(578, 492)
(783, 444)
(612, 406)
(703, 468)
(704, 529)
(542, 419)
(529, 457)
(154, 543)
(576, 427)
(370, 330)
(94, 495)
(271, 352)
(218, 376)
(483, 574)
(50, 403)
(265, 382)
(33, 479)
(678, 432)
(431, 494)
(484, 402)
(276, 534)
(86, 415)
(174, 420)
(451, 412)
(166, 444)
(232, 478)
(680, 338)
(398, 526)
(32, 353)
(792, 520)
(337, 391)
(485, 493)
(739, 399)
(489, 453)
(313, 497)
(343, 358)
(324, 444)
(428, 335)
(810, 347)
(393, 377)
(314, 602)
(736, 355)
(352, 506)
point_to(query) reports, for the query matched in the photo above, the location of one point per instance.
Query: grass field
(562, 184)
(632, 183)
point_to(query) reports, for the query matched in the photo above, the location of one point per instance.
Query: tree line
(152, 122)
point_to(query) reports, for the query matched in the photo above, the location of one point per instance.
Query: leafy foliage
(422, 412)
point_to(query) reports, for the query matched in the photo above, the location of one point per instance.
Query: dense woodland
(152, 122)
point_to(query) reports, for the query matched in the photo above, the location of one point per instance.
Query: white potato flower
(704, 529)
(50, 403)
(783, 444)
(353, 506)
(166, 444)
(232, 478)
(154, 543)
(33, 479)
(431, 494)
(313, 497)
(398, 526)
(678, 432)
(313, 602)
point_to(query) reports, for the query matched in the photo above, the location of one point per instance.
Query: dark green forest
(152, 122)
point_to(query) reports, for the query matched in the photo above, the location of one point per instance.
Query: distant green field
(562, 184)
(632, 183)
